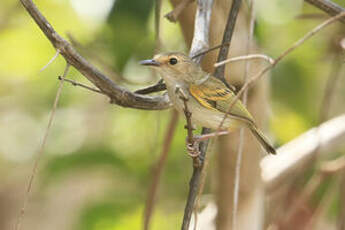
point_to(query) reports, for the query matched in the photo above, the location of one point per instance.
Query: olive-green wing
(214, 94)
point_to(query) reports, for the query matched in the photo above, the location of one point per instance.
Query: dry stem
(40, 151)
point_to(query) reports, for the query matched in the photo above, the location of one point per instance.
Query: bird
(208, 98)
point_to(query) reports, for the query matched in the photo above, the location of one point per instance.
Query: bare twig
(327, 6)
(229, 29)
(40, 151)
(197, 176)
(210, 49)
(117, 94)
(330, 85)
(245, 58)
(74, 83)
(159, 86)
(173, 15)
(158, 169)
(51, 60)
(295, 155)
(279, 58)
(200, 42)
(244, 99)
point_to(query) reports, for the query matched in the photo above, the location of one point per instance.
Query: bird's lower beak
(150, 62)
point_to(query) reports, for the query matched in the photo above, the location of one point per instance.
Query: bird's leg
(191, 145)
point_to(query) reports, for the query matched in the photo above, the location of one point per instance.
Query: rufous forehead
(162, 58)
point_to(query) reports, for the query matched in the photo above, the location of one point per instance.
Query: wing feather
(213, 94)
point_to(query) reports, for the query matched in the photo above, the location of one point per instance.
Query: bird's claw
(193, 149)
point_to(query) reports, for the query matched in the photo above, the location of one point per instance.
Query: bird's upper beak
(150, 62)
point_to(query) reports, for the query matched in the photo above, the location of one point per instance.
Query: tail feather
(262, 139)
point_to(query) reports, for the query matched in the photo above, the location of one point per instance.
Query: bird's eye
(172, 61)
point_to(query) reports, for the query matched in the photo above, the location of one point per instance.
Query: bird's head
(174, 66)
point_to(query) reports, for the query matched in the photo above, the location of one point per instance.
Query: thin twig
(200, 42)
(327, 6)
(173, 15)
(229, 30)
(330, 86)
(75, 83)
(278, 59)
(245, 58)
(117, 94)
(159, 86)
(197, 176)
(158, 169)
(210, 49)
(244, 99)
(51, 60)
(40, 151)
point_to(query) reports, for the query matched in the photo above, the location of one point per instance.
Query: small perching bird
(209, 99)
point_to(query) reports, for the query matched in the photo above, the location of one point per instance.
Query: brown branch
(40, 151)
(117, 94)
(202, 43)
(278, 59)
(229, 29)
(173, 15)
(328, 7)
(74, 83)
(199, 43)
(158, 169)
(210, 49)
(159, 86)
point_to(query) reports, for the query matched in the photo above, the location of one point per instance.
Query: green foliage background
(92, 139)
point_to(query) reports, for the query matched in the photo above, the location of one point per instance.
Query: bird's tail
(262, 139)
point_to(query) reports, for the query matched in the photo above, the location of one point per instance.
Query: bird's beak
(150, 62)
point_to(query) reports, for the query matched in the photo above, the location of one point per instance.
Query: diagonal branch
(118, 95)
(295, 155)
(328, 7)
(229, 30)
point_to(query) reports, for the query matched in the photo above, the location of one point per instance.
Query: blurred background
(96, 168)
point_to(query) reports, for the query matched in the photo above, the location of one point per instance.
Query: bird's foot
(193, 148)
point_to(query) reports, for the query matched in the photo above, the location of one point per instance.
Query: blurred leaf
(63, 165)
(128, 32)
